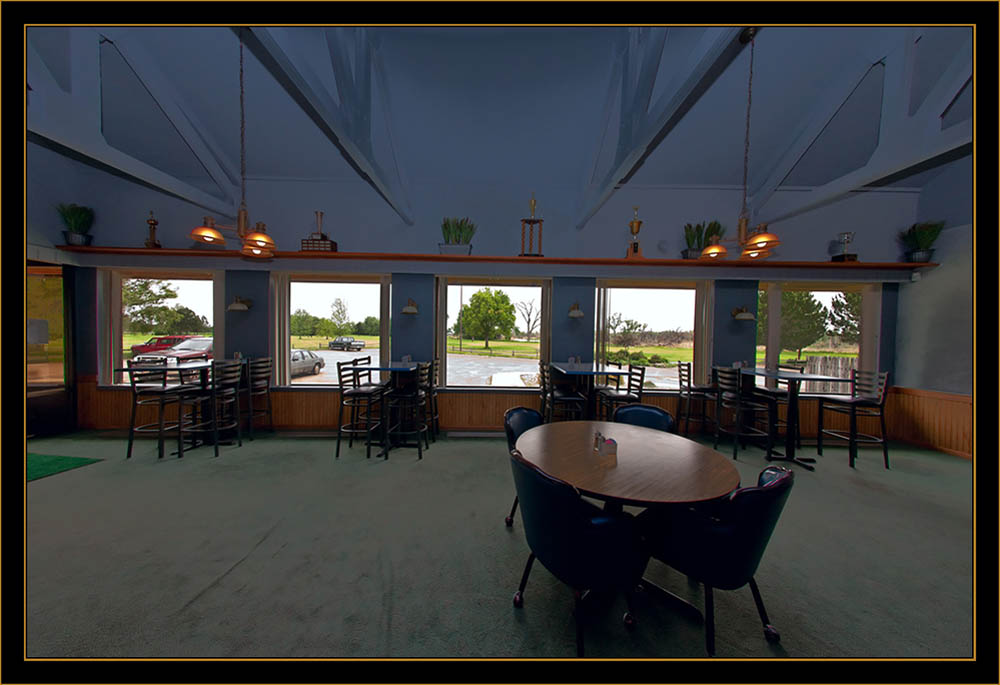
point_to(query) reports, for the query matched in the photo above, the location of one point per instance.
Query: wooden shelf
(508, 259)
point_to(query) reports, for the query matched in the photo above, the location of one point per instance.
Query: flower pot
(691, 253)
(920, 255)
(77, 238)
(452, 248)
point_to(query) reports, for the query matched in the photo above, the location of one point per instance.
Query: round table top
(652, 467)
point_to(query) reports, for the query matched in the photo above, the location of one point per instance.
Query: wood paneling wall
(942, 421)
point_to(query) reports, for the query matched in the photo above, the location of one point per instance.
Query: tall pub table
(397, 370)
(587, 371)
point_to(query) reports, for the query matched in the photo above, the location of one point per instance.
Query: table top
(587, 369)
(653, 467)
(391, 366)
(792, 375)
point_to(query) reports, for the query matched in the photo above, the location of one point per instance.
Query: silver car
(306, 363)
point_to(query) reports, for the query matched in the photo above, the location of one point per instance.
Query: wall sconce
(575, 312)
(742, 314)
(411, 307)
(239, 305)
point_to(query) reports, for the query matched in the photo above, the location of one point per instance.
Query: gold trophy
(151, 241)
(634, 251)
(530, 224)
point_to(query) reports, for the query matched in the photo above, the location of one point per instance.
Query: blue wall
(85, 324)
(573, 337)
(247, 332)
(734, 340)
(412, 334)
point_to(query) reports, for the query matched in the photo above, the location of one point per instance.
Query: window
(161, 315)
(45, 342)
(333, 321)
(493, 332)
(819, 330)
(650, 326)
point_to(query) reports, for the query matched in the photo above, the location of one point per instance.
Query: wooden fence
(838, 367)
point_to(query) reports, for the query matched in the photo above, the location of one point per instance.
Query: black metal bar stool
(259, 386)
(150, 388)
(362, 399)
(433, 416)
(218, 405)
(610, 397)
(689, 394)
(731, 396)
(867, 399)
(407, 411)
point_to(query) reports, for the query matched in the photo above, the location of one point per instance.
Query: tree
(326, 328)
(338, 314)
(531, 317)
(367, 327)
(181, 320)
(845, 317)
(803, 320)
(629, 333)
(614, 324)
(302, 323)
(762, 317)
(489, 314)
(143, 303)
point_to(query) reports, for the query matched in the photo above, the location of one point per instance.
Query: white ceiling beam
(307, 92)
(705, 63)
(904, 141)
(73, 120)
(181, 116)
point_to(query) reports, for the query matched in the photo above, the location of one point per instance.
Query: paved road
(467, 369)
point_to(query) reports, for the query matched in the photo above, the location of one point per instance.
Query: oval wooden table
(652, 467)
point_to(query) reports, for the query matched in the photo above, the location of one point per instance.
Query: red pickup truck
(159, 342)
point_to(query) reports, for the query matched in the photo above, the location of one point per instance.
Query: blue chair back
(645, 415)
(516, 420)
(725, 549)
(579, 543)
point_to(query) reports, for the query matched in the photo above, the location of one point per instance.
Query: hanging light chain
(243, 132)
(746, 142)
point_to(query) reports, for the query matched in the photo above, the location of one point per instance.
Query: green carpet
(41, 465)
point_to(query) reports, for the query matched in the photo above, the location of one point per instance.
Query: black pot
(691, 253)
(77, 238)
(920, 255)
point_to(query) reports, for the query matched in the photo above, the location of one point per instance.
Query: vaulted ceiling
(587, 108)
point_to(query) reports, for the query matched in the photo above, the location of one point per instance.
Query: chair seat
(363, 390)
(619, 395)
(568, 396)
(847, 401)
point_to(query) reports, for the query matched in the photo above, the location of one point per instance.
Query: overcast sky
(660, 310)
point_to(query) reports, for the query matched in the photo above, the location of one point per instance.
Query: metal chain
(243, 132)
(746, 143)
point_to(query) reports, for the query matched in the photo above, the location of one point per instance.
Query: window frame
(280, 338)
(109, 311)
(443, 281)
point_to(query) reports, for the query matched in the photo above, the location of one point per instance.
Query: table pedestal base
(804, 462)
(683, 605)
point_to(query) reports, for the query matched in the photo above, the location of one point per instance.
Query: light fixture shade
(575, 312)
(763, 241)
(411, 307)
(741, 314)
(239, 305)
(751, 252)
(255, 252)
(207, 233)
(714, 251)
(259, 239)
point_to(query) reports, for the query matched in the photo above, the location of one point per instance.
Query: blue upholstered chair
(645, 415)
(583, 546)
(516, 420)
(722, 549)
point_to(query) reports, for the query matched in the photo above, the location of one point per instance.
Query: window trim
(443, 281)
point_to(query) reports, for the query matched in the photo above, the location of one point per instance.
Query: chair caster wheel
(771, 634)
(509, 521)
(518, 599)
(629, 620)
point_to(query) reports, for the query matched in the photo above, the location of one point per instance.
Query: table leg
(792, 420)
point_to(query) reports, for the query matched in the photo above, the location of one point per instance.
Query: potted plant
(699, 236)
(78, 221)
(919, 238)
(457, 233)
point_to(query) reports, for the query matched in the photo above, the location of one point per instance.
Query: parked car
(159, 342)
(348, 343)
(306, 363)
(186, 350)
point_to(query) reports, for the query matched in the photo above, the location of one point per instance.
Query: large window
(330, 322)
(493, 333)
(45, 339)
(819, 330)
(652, 327)
(163, 317)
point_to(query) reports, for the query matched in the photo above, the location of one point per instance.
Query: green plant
(921, 236)
(77, 219)
(713, 229)
(457, 231)
(693, 236)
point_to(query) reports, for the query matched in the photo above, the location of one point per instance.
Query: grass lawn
(497, 348)
(321, 342)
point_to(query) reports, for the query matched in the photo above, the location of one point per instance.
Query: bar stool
(433, 416)
(689, 393)
(569, 403)
(222, 397)
(867, 398)
(259, 385)
(362, 398)
(779, 396)
(407, 411)
(730, 395)
(150, 388)
(609, 398)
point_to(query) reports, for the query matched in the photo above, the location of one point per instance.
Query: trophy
(845, 238)
(634, 251)
(151, 241)
(530, 224)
